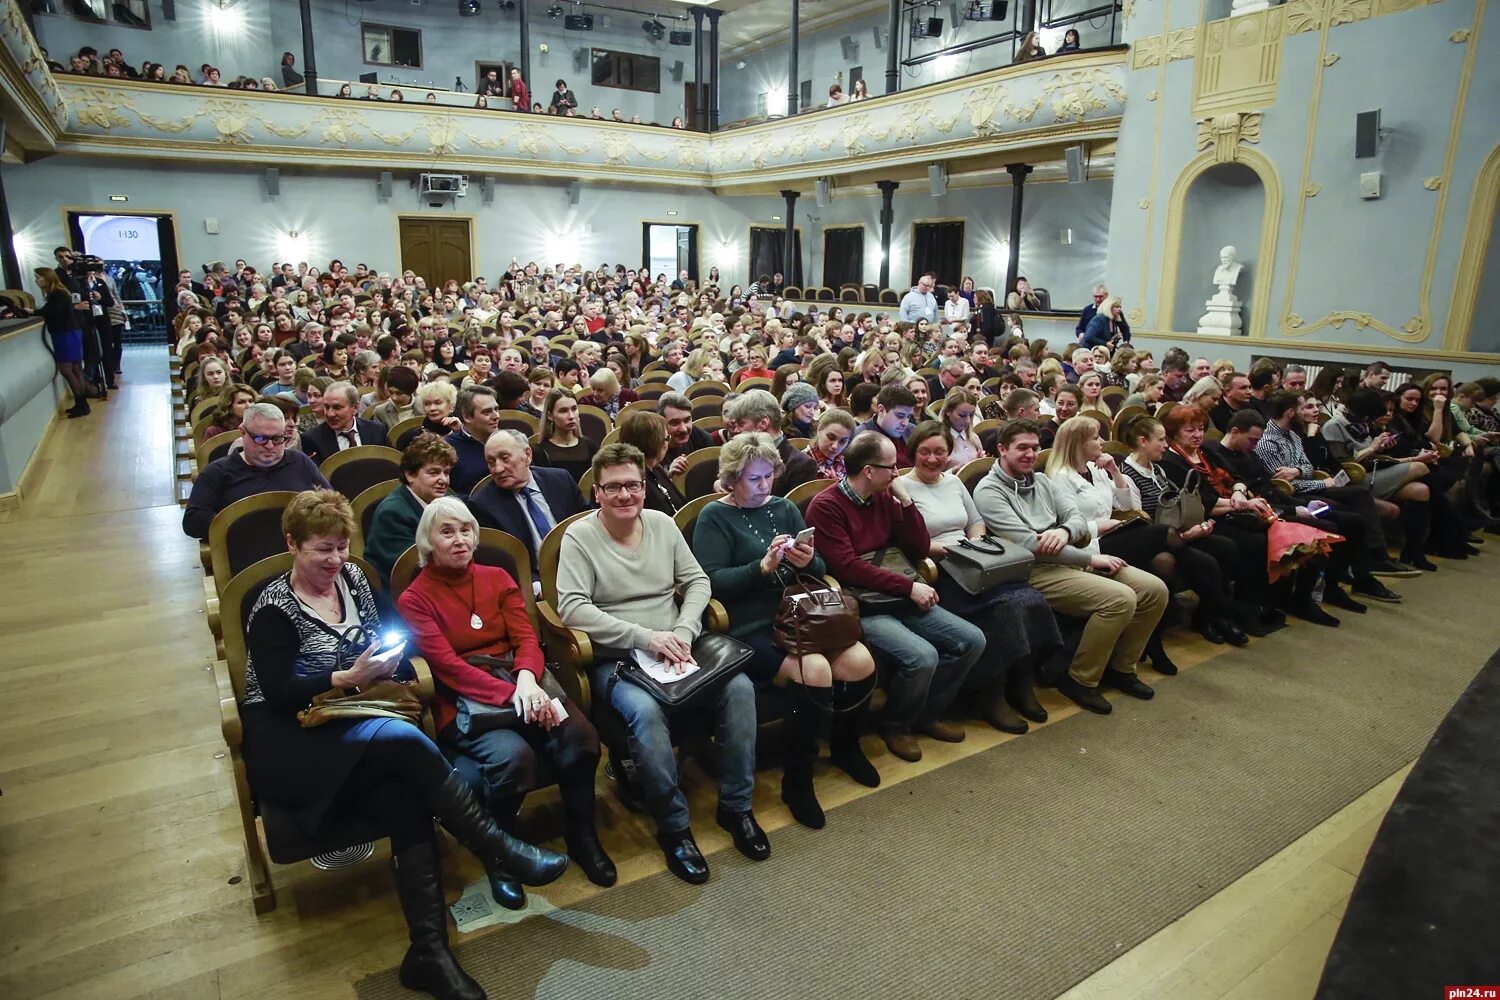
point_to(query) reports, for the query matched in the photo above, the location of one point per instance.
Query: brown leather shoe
(903, 745)
(942, 730)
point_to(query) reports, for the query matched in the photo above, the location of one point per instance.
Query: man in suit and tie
(520, 499)
(341, 428)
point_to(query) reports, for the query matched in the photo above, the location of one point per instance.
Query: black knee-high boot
(581, 834)
(1416, 519)
(1158, 655)
(506, 858)
(800, 748)
(846, 728)
(428, 966)
(1020, 690)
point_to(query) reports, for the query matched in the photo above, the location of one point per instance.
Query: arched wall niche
(1478, 264)
(1215, 204)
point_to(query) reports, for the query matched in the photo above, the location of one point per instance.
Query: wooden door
(436, 249)
(690, 95)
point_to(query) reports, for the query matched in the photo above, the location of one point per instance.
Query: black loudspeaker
(676, 71)
(273, 181)
(679, 38)
(927, 27)
(369, 78)
(488, 190)
(581, 60)
(879, 40)
(999, 9)
(1077, 166)
(579, 22)
(575, 191)
(1366, 134)
(385, 185)
(169, 10)
(849, 48)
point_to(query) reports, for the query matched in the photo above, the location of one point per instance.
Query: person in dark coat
(521, 499)
(425, 467)
(341, 427)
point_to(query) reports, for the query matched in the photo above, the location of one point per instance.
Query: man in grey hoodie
(1122, 604)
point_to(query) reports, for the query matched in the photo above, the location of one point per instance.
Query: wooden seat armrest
(1129, 515)
(833, 584)
(425, 685)
(1356, 471)
(574, 643)
(927, 570)
(715, 617)
(229, 709)
(205, 556)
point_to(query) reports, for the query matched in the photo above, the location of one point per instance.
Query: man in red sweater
(933, 649)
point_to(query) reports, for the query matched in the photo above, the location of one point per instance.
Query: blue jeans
(651, 744)
(933, 652)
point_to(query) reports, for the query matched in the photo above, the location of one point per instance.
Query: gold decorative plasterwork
(1143, 203)
(1153, 50)
(1323, 15)
(1330, 59)
(231, 120)
(100, 109)
(1477, 245)
(1077, 92)
(1460, 36)
(1239, 63)
(1432, 183)
(1224, 133)
(1311, 190)
(286, 131)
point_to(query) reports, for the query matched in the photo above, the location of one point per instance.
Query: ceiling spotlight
(555, 11)
(654, 29)
(468, 8)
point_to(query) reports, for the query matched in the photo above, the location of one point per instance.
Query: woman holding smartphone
(753, 545)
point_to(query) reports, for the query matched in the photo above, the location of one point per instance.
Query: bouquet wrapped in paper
(1289, 544)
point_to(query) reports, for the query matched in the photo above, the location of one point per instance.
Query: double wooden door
(437, 249)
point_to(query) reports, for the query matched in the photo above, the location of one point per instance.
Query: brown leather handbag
(815, 618)
(385, 699)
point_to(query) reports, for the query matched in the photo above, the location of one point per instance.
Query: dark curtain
(843, 257)
(938, 247)
(692, 257)
(766, 257)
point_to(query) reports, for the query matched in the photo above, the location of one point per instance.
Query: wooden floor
(120, 859)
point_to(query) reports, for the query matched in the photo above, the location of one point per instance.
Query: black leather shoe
(748, 836)
(1336, 597)
(1393, 568)
(1310, 612)
(1210, 630)
(683, 857)
(1419, 561)
(1375, 591)
(1128, 684)
(508, 892)
(1084, 697)
(589, 853)
(1232, 633)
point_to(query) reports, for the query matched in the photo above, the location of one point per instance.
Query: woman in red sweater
(457, 610)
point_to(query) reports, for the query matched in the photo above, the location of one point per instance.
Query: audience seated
(263, 465)
(341, 427)
(479, 415)
(524, 500)
(560, 443)
(310, 632)
(757, 411)
(426, 466)
(933, 649)
(615, 580)
(471, 625)
(648, 433)
(892, 420)
(1122, 604)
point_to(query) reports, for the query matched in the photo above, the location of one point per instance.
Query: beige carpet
(1019, 871)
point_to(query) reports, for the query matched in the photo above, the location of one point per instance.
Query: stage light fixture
(468, 8)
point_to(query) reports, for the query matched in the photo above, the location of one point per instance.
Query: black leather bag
(475, 717)
(878, 602)
(719, 657)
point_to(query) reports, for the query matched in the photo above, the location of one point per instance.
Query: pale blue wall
(1365, 256)
(1486, 329)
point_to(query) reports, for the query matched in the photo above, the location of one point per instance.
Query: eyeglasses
(615, 489)
(887, 468)
(1099, 298)
(269, 438)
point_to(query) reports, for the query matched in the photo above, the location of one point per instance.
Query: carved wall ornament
(284, 131)
(1153, 50)
(1224, 133)
(1311, 191)
(1137, 316)
(1460, 36)
(1152, 95)
(1143, 203)
(1077, 92)
(1330, 59)
(100, 109)
(1432, 183)
(340, 125)
(171, 125)
(231, 120)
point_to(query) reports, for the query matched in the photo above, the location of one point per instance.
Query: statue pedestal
(1239, 7)
(1223, 316)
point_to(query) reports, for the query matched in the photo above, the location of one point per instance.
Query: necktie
(351, 438)
(538, 516)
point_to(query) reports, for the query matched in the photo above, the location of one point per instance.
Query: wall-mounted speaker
(169, 10)
(581, 60)
(849, 47)
(679, 38)
(937, 179)
(273, 181)
(1366, 134)
(926, 27)
(824, 192)
(879, 38)
(575, 191)
(385, 184)
(676, 71)
(1078, 167)
(487, 190)
(579, 22)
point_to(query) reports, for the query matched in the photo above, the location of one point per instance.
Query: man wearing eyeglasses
(933, 648)
(263, 465)
(1100, 294)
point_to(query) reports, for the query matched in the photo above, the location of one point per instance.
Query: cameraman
(88, 314)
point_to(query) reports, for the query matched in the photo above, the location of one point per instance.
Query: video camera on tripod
(81, 265)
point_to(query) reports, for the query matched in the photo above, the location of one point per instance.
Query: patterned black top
(292, 653)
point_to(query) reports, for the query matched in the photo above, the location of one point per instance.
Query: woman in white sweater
(1019, 627)
(616, 576)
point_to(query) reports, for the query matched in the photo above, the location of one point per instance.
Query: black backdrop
(938, 247)
(766, 256)
(843, 257)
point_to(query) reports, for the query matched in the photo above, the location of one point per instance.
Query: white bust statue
(1228, 272)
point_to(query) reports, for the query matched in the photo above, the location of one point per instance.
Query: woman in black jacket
(67, 338)
(989, 325)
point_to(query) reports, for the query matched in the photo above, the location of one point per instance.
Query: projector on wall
(438, 188)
